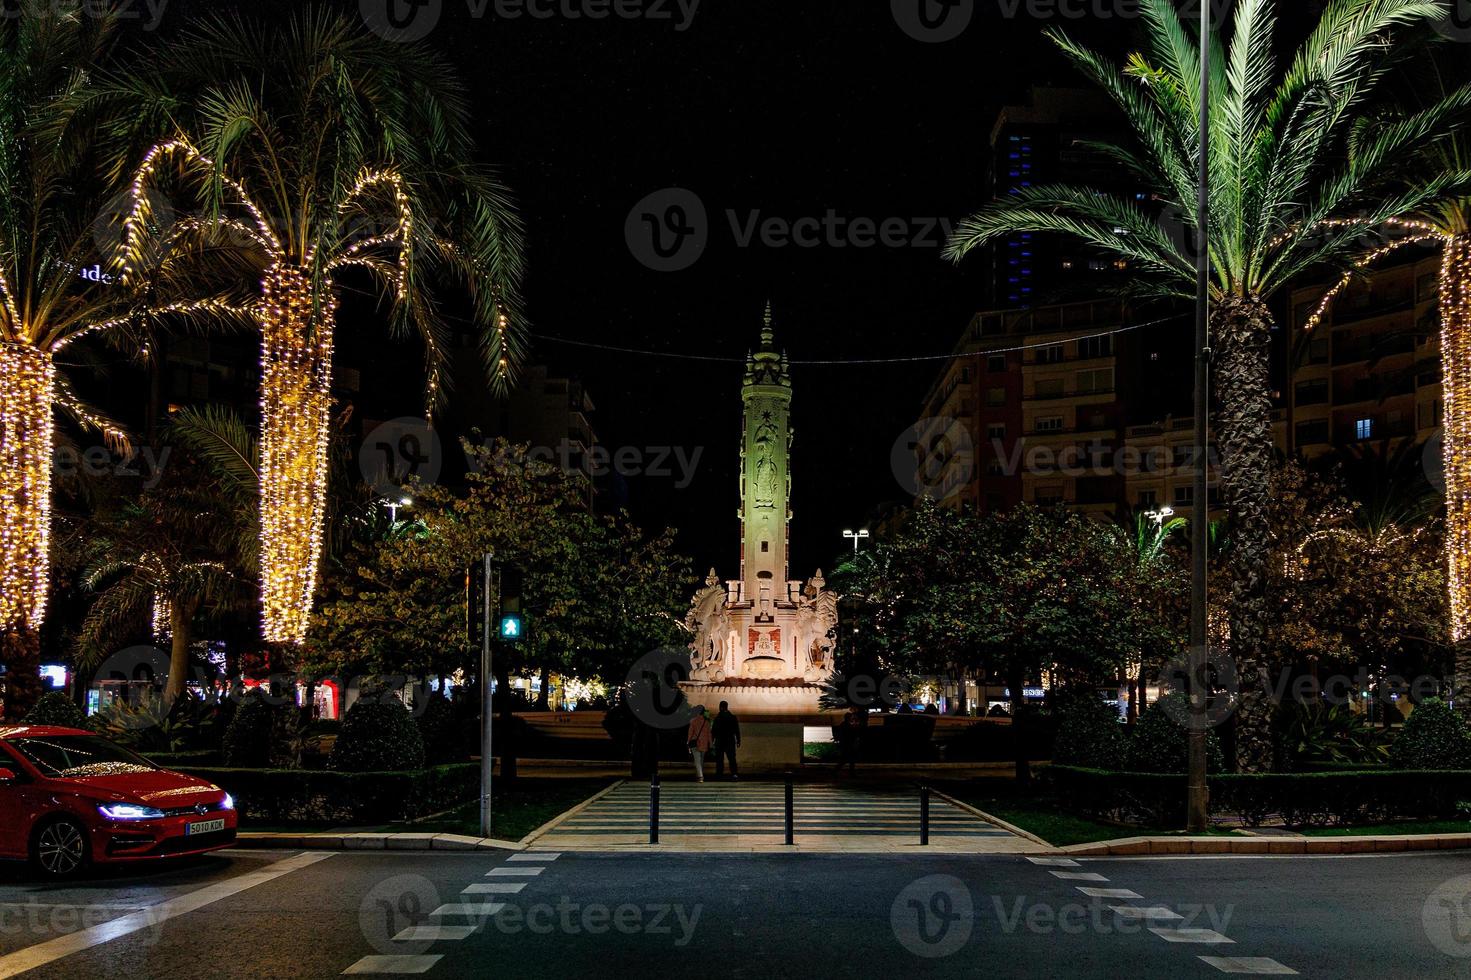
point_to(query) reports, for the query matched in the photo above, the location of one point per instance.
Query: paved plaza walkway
(749, 816)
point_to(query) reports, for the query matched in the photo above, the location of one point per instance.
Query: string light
(27, 389)
(1455, 358)
(296, 316)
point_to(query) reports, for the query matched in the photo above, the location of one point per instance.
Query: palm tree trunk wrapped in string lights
(313, 180)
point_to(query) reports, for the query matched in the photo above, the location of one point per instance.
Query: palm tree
(1151, 584)
(49, 235)
(1292, 186)
(312, 150)
(1446, 222)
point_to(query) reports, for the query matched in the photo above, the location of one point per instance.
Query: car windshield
(80, 755)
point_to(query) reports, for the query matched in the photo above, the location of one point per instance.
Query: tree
(1014, 594)
(163, 556)
(315, 149)
(1293, 184)
(596, 589)
(50, 233)
(1156, 580)
(1446, 222)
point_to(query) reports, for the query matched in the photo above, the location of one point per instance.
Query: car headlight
(129, 811)
(228, 803)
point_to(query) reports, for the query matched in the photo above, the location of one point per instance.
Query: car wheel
(59, 848)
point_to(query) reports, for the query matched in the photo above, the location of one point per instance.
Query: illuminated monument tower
(763, 641)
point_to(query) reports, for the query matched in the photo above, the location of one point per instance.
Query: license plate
(203, 827)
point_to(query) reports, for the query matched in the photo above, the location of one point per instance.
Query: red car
(69, 797)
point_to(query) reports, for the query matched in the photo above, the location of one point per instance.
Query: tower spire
(768, 335)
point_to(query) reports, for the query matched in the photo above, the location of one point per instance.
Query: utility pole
(1197, 812)
(487, 717)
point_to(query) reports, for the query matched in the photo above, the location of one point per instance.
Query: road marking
(433, 934)
(155, 915)
(494, 888)
(1153, 912)
(477, 910)
(1109, 892)
(1256, 965)
(536, 856)
(513, 872)
(1078, 875)
(1171, 934)
(1054, 862)
(394, 964)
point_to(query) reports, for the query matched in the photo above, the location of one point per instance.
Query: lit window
(1364, 429)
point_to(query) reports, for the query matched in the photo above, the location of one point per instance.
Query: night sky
(770, 109)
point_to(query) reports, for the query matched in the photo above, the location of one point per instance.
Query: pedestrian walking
(727, 730)
(699, 737)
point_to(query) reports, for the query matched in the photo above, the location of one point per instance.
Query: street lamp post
(856, 536)
(394, 505)
(1198, 791)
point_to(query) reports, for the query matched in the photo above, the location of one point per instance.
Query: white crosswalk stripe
(514, 872)
(493, 888)
(433, 934)
(1054, 862)
(1171, 934)
(1109, 893)
(1262, 966)
(1078, 875)
(394, 964)
(475, 910)
(1152, 913)
(535, 856)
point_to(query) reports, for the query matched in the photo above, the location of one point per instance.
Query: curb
(1136, 846)
(569, 813)
(1008, 827)
(374, 842)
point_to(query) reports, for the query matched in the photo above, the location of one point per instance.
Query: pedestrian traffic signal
(511, 627)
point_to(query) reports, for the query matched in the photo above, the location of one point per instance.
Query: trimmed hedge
(378, 736)
(282, 796)
(55, 708)
(1312, 799)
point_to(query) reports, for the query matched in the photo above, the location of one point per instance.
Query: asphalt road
(292, 914)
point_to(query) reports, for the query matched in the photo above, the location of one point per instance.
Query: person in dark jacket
(727, 732)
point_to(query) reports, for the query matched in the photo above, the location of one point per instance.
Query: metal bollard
(924, 815)
(654, 804)
(789, 808)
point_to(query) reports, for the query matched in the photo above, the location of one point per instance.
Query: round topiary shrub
(54, 708)
(378, 735)
(440, 730)
(1434, 737)
(1159, 741)
(247, 741)
(1089, 732)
